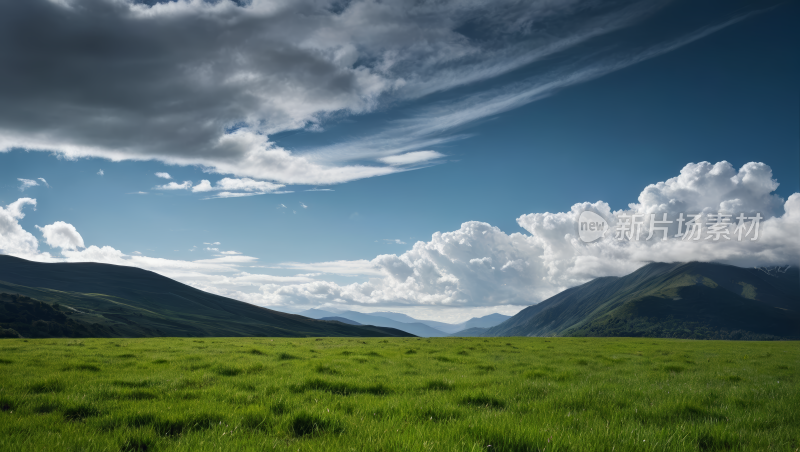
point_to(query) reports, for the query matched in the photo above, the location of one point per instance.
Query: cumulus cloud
(164, 175)
(13, 238)
(203, 186)
(479, 266)
(26, 183)
(232, 74)
(186, 185)
(62, 235)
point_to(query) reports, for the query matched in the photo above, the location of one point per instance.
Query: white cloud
(227, 194)
(138, 193)
(320, 189)
(248, 185)
(203, 186)
(357, 267)
(13, 238)
(411, 157)
(205, 274)
(478, 266)
(164, 175)
(44, 182)
(236, 188)
(211, 249)
(395, 241)
(303, 206)
(174, 186)
(26, 183)
(62, 235)
(101, 172)
(281, 206)
(230, 252)
(212, 243)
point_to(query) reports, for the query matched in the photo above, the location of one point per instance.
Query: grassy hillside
(694, 300)
(22, 316)
(440, 394)
(130, 302)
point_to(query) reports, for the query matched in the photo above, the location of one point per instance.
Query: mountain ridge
(694, 299)
(132, 302)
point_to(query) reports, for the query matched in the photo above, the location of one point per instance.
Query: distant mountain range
(422, 328)
(102, 300)
(683, 300)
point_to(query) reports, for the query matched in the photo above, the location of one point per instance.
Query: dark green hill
(683, 300)
(131, 302)
(22, 316)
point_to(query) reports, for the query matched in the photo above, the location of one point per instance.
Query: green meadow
(398, 394)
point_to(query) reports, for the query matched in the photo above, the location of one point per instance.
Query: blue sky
(721, 86)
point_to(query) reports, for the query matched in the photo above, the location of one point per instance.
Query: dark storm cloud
(205, 83)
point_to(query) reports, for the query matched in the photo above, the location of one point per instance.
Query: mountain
(119, 301)
(341, 319)
(317, 314)
(683, 300)
(486, 321)
(408, 323)
(470, 332)
(416, 328)
(449, 328)
(442, 327)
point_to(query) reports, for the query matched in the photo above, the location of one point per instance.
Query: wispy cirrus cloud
(410, 158)
(234, 188)
(24, 184)
(288, 66)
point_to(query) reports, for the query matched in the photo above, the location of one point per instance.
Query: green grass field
(446, 394)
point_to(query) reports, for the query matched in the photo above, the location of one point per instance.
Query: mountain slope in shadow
(131, 302)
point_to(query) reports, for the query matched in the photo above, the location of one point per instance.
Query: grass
(444, 394)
